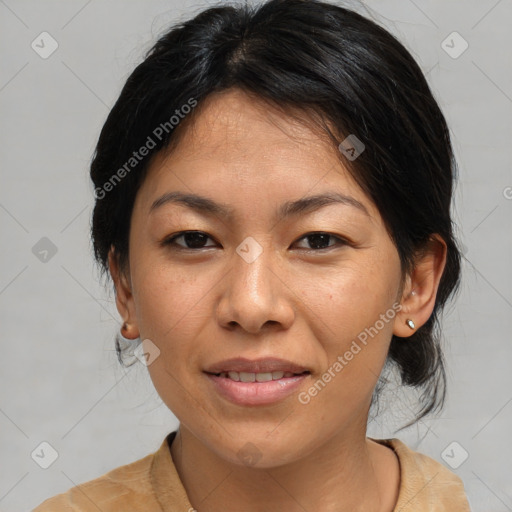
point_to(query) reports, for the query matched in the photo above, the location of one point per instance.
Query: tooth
(256, 377)
(263, 377)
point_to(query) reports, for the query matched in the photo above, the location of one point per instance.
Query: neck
(347, 473)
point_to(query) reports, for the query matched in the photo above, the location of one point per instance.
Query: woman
(273, 191)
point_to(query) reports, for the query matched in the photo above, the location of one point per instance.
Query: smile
(251, 389)
(257, 377)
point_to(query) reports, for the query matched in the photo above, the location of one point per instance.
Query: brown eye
(191, 240)
(321, 240)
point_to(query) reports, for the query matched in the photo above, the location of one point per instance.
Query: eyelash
(170, 241)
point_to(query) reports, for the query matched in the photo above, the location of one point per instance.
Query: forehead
(236, 141)
(244, 122)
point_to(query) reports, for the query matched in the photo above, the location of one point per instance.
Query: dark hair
(338, 68)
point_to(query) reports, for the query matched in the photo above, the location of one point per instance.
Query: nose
(254, 296)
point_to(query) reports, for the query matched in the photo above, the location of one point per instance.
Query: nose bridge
(253, 295)
(252, 269)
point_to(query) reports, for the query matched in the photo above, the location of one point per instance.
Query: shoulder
(124, 488)
(425, 484)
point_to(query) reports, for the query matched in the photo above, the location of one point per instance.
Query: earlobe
(420, 291)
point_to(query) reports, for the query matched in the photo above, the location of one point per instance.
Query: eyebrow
(303, 205)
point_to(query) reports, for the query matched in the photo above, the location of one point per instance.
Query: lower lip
(256, 393)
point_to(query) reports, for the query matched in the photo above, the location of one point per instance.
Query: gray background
(60, 380)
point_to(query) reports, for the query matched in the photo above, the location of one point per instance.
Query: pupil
(195, 240)
(322, 237)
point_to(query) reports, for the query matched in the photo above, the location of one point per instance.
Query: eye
(320, 240)
(192, 240)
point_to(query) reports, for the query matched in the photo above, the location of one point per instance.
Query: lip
(256, 393)
(261, 365)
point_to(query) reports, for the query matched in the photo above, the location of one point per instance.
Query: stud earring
(123, 341)
(410, 323)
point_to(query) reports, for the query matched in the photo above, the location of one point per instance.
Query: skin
(200, 306)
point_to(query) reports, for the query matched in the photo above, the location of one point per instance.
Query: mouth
(249, 389)
(264, 367)
(257, 377)
(256, 382)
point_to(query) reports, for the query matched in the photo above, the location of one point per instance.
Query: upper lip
(262, 365)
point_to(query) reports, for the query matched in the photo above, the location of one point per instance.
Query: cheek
(349, 299)
(171, 310)
(170, 301)
(174, 310)
(352, 314)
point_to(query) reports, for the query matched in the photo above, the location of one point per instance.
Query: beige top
(152, 484)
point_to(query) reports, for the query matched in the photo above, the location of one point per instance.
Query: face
(258, 280)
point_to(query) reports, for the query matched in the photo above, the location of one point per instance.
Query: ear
(124, 297)
(420, 288)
